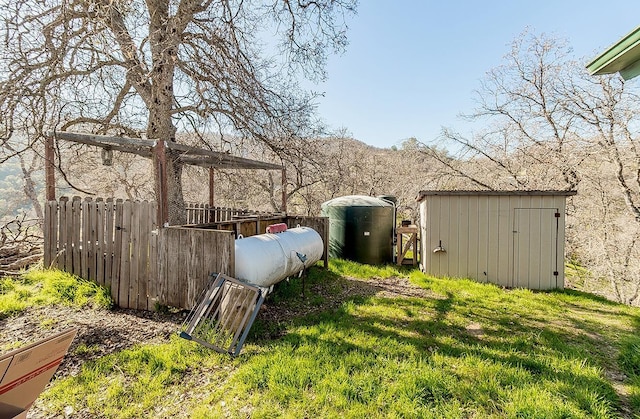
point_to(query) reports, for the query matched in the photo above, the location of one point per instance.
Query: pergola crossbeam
(214, 158)
(189, 155)
(159, 152)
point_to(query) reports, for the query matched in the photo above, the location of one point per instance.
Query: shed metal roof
(423, 194)
(623, 57)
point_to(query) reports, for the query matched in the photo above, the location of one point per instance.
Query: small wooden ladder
(410, 244)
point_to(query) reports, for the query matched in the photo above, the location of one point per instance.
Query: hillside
(362, 341)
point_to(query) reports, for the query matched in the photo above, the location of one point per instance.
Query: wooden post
(209, 215)
(211, 187)
(49, 167)
(284, 190)
(160, 161)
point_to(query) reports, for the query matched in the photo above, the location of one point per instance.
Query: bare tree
(127, 176)
(605, 238)
(610, 114)
(322, 169)
(29, 163)
(528, 137)
(151, 68)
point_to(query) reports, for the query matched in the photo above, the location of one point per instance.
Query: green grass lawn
(462, 350)
(37, 287)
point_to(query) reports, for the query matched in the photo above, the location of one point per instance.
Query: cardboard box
(25, 372)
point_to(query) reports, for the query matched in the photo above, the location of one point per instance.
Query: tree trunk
(160, 125)
(161, 128)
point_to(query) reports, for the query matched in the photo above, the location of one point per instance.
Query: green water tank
(360, 228)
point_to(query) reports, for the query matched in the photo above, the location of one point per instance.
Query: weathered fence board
(144, 260)
(62, 232)
(154, 268)
(77, 230)
(125, 254)
(178, 279)
(196, 269)
(48, 239)
(100, 242)
(117, 251)
(68, 244)
(92, 251)
(84, 238)
(186, 258)
(109, 238)
(135, 257)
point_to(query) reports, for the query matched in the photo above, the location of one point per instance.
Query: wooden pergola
(157, 150)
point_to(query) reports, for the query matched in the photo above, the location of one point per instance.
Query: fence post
(212, 190)
(50, 174)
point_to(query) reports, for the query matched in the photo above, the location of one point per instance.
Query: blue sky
(411, 66)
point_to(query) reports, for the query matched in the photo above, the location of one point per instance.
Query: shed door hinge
(555, 273)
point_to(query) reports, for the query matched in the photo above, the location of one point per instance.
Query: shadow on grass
(585, 296)
(351, 316)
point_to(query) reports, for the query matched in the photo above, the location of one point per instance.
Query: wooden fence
(113, 243)
(118, 244)
(205, 214)
(258, 224)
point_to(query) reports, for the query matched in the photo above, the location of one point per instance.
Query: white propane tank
(267, 259)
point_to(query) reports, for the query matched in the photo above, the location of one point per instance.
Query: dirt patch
(334, 295)
(100, 332)
(475, 329)
(395, 287)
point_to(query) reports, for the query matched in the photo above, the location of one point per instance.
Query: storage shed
(509, 238)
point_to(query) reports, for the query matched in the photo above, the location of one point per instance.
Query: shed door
(535, 248)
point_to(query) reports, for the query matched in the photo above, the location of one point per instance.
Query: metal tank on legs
(266, 259)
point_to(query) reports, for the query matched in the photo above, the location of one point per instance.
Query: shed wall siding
(508, 240)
